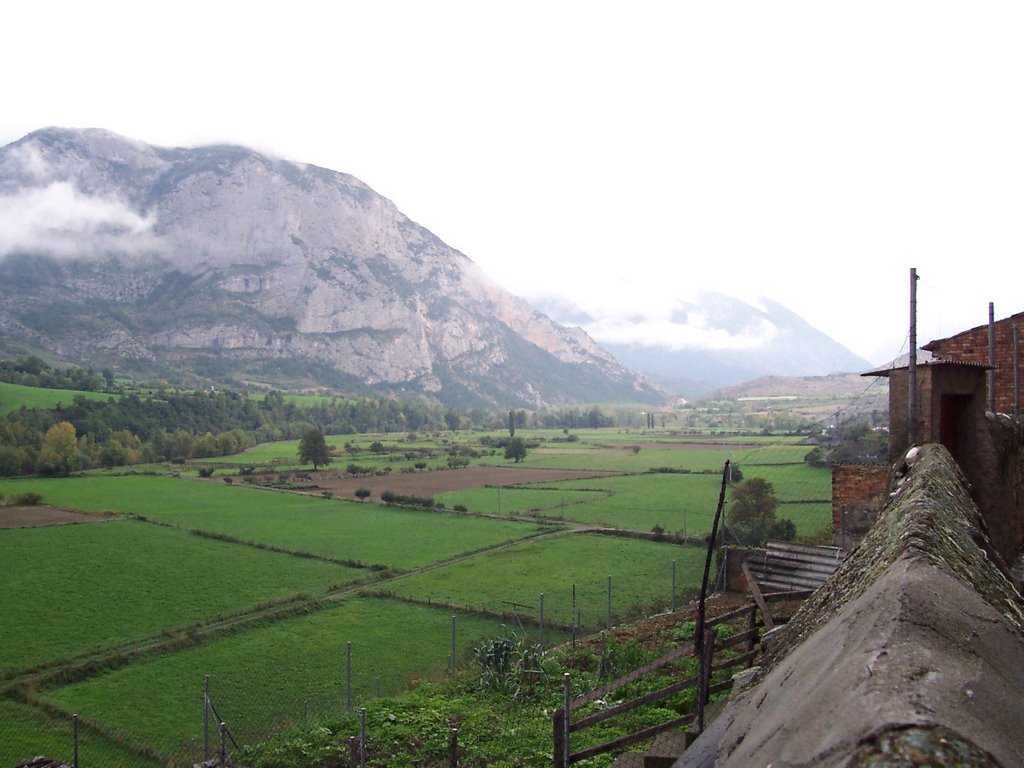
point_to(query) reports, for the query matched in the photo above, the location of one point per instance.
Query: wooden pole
(992, 357)
(912, 436)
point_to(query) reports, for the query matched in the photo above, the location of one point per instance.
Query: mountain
(719, 341)
(223, 265)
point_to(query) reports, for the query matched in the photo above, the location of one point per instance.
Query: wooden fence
(718, 655)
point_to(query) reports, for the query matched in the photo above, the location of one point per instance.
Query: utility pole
(912, 436)
(992, 357)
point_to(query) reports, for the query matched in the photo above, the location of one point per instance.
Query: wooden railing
(714, 660)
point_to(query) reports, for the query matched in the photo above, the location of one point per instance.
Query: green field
(29, 732)
(15, 396)
(271, 673)
(641, 574)
(343, 530)
(112, 585)
(100, 584)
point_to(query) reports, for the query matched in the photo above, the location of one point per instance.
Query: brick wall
(859, 491)
(972, 346)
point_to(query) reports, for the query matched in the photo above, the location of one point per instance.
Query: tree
(313, 449)
(515, 449)
(750, 519)
(59, 452)
(511, 423)
(362, 493)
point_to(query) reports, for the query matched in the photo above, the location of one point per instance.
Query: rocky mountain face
(244, 268)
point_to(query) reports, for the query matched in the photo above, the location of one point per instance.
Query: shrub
(206, 471)
(362, 493)
(27, 499)
(229, 480)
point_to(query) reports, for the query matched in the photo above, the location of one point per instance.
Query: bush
(362, 493)
(206, 471)
(27, 499)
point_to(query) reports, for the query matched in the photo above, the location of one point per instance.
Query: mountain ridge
(240, 264)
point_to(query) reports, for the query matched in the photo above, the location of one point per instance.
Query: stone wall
(911, 654)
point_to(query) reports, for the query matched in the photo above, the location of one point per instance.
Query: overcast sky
(624, 155)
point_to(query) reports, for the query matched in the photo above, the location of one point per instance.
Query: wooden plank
(633, 738)
(729, 642)
(599, 693)
(628, 706)
(758, 598)
(735, 661)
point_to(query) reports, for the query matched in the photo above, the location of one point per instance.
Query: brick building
(955, 388)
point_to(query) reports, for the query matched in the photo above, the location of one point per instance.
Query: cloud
(58, 220)
(691, 330)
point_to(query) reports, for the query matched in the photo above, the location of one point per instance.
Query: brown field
(31, 517)
(442, 480)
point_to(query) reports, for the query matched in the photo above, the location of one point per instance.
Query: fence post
(752, 628)
(673, 586)
(452, 664)
(353, 752)
(453, 748)
(542, 622)
(348, 676)
(609, 601)
(704, 662)
(572, 618)
(206, 717)
(362, 737)
(565, 719)
(223, 744)
(74, 730)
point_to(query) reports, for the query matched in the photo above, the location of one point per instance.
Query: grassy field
(344, 530)
(15, 396)
(100, 584)
(74, 588)
(641, 574)
(271, 672)
(29, 732)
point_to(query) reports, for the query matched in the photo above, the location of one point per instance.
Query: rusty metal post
(453, 748)
(353, 752)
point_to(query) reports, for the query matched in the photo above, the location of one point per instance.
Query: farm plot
(276, 673)
(641, 574)
(346, 531)
(442, 481)
(28, 732)
(14, 396)
(639, 502)
(71, 588)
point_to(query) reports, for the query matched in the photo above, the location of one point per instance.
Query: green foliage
(313, 449)
(59, 452)
(362, 493)
(750, 517)
(511, 664)
(515, 449)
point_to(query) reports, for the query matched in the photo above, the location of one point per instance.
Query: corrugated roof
(924, 357)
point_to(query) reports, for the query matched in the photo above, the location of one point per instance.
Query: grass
(99, 584)
(15, 396)
(641, 574)
(343, 530)
(26, 732)
(276, 673)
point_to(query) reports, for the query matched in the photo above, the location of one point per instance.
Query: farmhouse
(913, 652)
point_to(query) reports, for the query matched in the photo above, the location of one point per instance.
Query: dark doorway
(955, 429)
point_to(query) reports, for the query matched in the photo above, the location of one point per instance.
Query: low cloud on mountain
(59, 220)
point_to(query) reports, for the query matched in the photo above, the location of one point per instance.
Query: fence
(711, 659)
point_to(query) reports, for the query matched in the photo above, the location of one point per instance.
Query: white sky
(620, 154)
